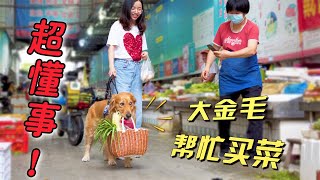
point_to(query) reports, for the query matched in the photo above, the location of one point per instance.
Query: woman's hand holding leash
(112, 72)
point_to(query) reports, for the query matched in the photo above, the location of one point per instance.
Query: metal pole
(14, 21)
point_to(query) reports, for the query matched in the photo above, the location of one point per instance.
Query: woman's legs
(136, 89)
(124, 76)
(255, 127)
(224, 126)
(128, 80)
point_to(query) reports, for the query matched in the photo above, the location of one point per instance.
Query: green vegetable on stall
(203, 88)
(166, 93)
(316, 125)
(279, 175)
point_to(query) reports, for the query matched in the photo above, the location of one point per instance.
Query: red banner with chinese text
(309, 14)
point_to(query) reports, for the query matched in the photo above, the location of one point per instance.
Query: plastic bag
(147, 72)
(297, 88)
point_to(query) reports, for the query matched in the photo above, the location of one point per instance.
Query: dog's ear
(112, 104)
(133, 99)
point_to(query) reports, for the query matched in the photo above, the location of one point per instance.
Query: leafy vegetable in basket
(104, 129)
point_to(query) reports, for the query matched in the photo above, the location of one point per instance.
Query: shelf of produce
(280, 120)
(286, 108)
(178, 76)
(171, 77)
(183, 111)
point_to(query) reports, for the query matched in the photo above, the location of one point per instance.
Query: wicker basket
(129, 142)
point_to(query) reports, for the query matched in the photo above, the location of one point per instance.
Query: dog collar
(106, 110)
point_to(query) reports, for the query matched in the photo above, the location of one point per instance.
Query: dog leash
(108, 87)
(109, 93)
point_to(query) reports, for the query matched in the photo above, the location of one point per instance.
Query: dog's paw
(112, 162)
(86, 158)
(127, 162)
(127, 165)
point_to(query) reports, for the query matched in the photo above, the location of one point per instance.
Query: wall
(177, 25)
(99, 67)
(5, 53)
(177, 30)
(7, 16)
(170, 27)
(28, 16)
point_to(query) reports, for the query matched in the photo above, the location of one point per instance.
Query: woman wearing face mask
(237, 40)
(127, 47)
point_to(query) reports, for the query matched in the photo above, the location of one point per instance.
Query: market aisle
(61, 161)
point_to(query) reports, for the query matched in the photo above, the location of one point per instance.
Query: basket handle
(122, 125)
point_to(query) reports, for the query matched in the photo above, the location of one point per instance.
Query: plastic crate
(310, 159)
(20, 142)
(14, 132)
(11, 127)
(5, 161)
(16, 117)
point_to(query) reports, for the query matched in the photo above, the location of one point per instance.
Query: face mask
(235, 18)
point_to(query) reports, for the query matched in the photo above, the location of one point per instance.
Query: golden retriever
(124, 103)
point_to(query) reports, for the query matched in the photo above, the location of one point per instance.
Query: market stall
(310, 148)
(287, 90)
(283, 118)
(277, 121)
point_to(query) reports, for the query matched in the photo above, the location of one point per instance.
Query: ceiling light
(90, 30)
(102, 14)
(82, 42)
(73, 53)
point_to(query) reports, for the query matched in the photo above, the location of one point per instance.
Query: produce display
(187, 92)
(76, 98)
(203, 88)
(312, 94)
(270, 88)
(166, 93)
(316, 125)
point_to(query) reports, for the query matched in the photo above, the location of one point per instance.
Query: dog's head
(124, 103)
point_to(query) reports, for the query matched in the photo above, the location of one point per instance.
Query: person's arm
(210, 59)
(112, 44)
(112, 70)
(249, 51)
(144, 54)
(217, 44)
(212, 72)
